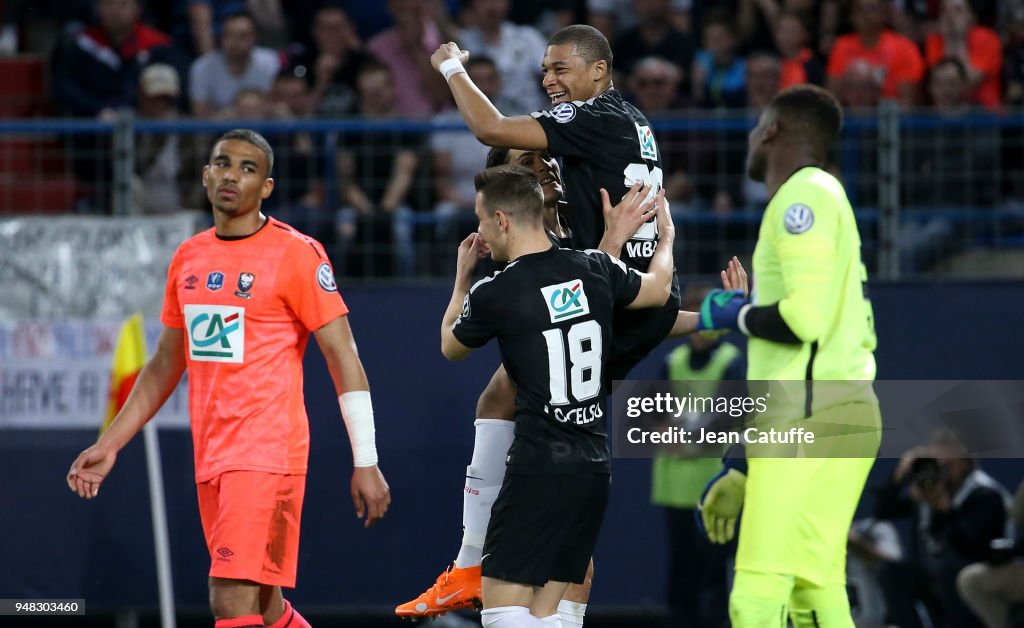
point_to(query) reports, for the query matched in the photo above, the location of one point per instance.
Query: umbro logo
(225, 552)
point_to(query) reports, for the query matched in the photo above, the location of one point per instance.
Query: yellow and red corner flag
(129, 357)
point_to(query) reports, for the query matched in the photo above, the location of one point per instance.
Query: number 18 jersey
(552, 314)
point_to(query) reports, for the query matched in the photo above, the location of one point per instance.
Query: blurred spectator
(991, 588)
(377, 170)
(764, 80)
(165, 163)
(799, 63)
(331, 65)
(976, 47)
(956, 169)
(517, 51)
(860, 88)
(759, 19)
(871, 544)
(547, 16)
(1015, 57)
(405, 49)
(893, 59)
(719, 74)
(298, 191)
(96, 70)
(216, 77)
(32, 25)
(697, 591)
(653, 36)
(291, 94)
(612, 17)
(206, 20)
(654, 84)
(458, 156)
(957, 510)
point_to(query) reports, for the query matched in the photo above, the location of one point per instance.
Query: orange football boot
(455, 589)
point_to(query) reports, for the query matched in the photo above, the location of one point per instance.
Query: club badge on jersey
(245, 281)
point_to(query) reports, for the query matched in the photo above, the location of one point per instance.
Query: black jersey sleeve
(624, 281)
(574, 129)
(478, 322)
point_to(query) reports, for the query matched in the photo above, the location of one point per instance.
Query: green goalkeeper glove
(721, 504)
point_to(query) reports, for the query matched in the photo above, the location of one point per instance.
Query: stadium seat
(22, 86)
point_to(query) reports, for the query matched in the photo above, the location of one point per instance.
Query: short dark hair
(243, 14)
(369, 66)
(497, 156)
(953, 61)
(591, 44)
(481, 60)
(512, 189)
(254, 138)
(810, 111)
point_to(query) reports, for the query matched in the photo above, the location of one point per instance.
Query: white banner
(57, 374)
(66, 267)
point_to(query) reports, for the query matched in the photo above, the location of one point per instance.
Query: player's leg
(279, 612)
(573, 606)
(759, 600)
(494, 431)
(251, 521)
(547, 602)
(459, 586)
(507, 605)
(235, 603)
(813, 606)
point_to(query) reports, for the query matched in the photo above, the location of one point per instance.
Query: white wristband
(357, 410)
(450, 67)
(741, 320)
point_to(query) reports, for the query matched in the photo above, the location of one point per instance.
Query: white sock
(484, 475)
(552, 620)
(571, 613)
(510, 617)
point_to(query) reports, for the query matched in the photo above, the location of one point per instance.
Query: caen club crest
(245, 281)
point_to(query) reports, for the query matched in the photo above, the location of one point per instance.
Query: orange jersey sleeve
(170, 316)
(308, 285)
(842, 53)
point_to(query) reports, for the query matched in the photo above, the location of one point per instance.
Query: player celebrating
(240, 302)
(552, 311)
(458, 587)
(809, 320)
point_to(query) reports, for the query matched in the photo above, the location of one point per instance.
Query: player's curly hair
(591, 44)
(512, 189)
(254, 138)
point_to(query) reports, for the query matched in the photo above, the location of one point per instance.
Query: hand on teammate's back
(370, 494)
(629, 214)
(89, 469)
(666, 228)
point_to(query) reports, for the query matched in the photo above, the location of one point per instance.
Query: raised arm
(656, 283)
(483, 118)
(370, 493)
(154, 385)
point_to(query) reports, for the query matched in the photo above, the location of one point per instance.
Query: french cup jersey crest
(246, 322)
(604, 142)
(552, 313)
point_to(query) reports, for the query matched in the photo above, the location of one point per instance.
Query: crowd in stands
(333, 59)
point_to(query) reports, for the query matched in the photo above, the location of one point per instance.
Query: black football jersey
(552, 313)
(604, 142)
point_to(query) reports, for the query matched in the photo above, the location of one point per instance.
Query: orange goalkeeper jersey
(246, 306)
